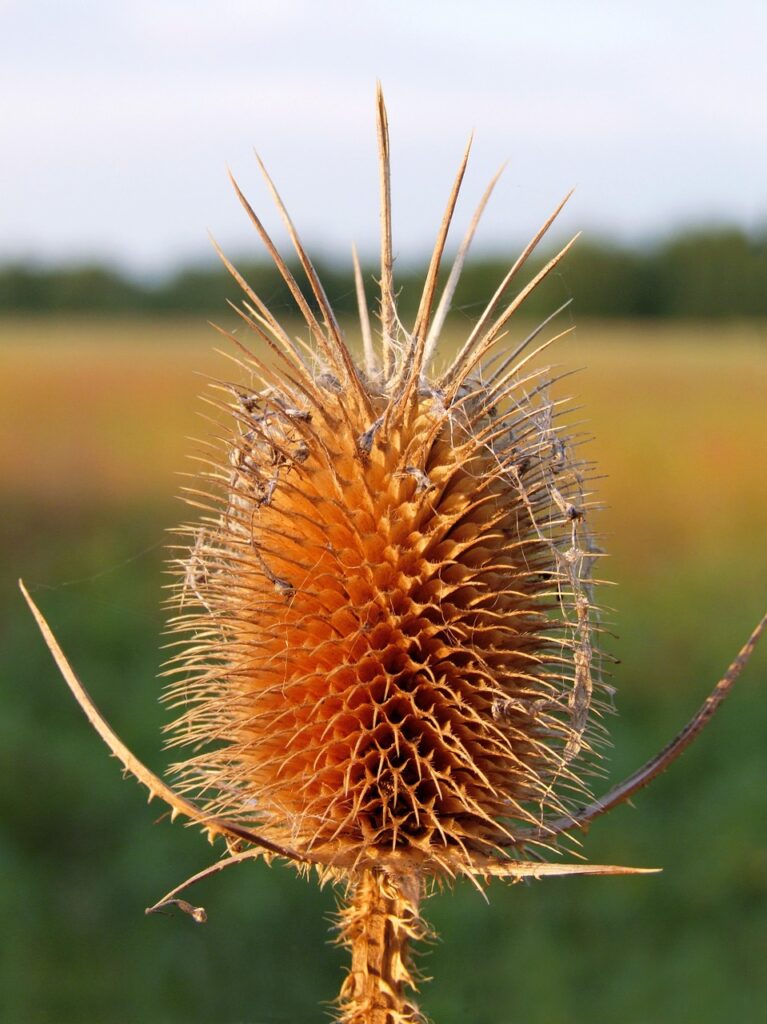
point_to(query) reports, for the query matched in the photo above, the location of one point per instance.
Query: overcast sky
(117, 119)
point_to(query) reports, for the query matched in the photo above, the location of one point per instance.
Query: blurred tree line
(719, 272)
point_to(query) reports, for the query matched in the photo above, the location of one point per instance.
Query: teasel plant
(388, 665)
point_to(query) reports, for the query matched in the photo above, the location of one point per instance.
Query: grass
(95, 417)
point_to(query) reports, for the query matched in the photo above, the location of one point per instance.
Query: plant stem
(378, 923)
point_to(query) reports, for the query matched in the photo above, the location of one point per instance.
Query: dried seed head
(387, 606)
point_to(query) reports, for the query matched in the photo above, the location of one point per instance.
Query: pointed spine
(479, 328)
(387, 281)
(341, 351)
(455, 273)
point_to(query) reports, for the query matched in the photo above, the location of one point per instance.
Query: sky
(118, 120)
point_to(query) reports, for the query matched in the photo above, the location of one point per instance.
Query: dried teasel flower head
(386, 610)
(386, 665)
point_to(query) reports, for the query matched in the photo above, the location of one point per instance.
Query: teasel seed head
(386, 609)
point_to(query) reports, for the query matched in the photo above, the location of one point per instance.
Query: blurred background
(118, 123)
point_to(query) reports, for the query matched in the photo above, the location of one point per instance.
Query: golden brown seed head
(390, 661)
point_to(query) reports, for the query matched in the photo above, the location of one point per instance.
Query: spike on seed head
(388, 669)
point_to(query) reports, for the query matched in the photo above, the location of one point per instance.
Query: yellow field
(102, 411)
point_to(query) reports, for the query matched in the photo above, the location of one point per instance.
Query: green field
(95, 420)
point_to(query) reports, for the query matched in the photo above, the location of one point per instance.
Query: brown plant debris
(386, 630)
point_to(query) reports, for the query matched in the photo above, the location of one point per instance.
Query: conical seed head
(389, 611)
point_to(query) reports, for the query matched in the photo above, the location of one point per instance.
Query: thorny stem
(377, 925)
